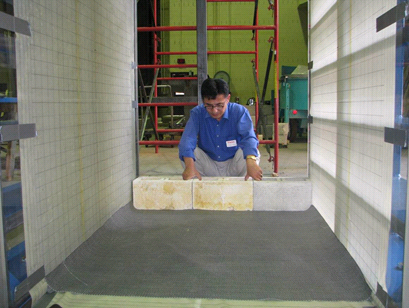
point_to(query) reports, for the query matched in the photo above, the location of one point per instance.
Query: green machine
(294, 102)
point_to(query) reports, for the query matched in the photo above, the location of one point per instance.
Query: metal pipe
(159, 142)
(201, 42)
(161, 85)
(405, 282)
(177, 78)
(158, 86)
(155, 40)
(167, 104)
(156, 126)
(193, 28)
(166, 65)
(171, 130)
(268, 142)
(177, 52)
(276, 100)
(234, 27)
(4, 290)
(230, 0)
(147, 111)
(174, 142)
(232, 52)
(238, 52)
(136, 114)
(167, 28)
(256, 38)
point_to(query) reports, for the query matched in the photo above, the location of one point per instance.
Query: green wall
(293, 50)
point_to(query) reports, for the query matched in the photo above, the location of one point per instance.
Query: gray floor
(204, 254)
(292, 256)
(292, 161)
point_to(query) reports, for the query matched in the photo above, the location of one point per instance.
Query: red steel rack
(256, 27)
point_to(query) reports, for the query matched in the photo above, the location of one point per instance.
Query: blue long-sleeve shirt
(219, 139)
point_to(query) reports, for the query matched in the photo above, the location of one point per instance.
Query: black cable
(255, 16)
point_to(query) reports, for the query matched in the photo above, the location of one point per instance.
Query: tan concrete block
(160, 193)
(253, 119)
(251, 109)
(226, 194)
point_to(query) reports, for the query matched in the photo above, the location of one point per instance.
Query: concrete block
(282, 194)
(162, 193)
(270, 119)
(267, 109)
(283, 130)
(269, 131)
(226, 194)
(218, 193)
(251, 109)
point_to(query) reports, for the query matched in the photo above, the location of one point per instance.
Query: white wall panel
(320, 8)
(352, 99)
(76, 83)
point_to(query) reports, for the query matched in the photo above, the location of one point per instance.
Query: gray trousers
(233, 167)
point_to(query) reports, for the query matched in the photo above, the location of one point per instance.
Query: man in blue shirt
(219, 138)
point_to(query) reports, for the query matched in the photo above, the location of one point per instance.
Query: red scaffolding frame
(158, 65)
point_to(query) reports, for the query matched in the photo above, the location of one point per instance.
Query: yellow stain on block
(156, 193)
(225, 194)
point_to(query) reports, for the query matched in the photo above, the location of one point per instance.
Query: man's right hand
(190, 171)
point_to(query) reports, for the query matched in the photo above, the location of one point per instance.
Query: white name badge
(231, 143)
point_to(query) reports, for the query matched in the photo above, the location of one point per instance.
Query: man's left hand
(253, 170)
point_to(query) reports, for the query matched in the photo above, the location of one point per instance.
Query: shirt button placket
(218, 140)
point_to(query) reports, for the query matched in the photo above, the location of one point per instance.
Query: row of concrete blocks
(226, 194)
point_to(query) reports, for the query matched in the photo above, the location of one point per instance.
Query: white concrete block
(283, 130)
(226, 194)
(162, 193)
(282, 194)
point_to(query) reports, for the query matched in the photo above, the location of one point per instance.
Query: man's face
(216, 107)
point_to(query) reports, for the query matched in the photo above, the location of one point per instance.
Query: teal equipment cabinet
(294, 103)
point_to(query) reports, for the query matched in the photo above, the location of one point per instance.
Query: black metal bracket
(393, 15)
(17, 131)
(24, 287)
(396, 136)
(14, 24)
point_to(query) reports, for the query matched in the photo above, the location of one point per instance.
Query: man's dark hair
(213, 87)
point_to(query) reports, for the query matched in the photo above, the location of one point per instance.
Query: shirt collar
(225, 114)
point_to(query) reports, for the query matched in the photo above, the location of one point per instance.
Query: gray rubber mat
(213, 254)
